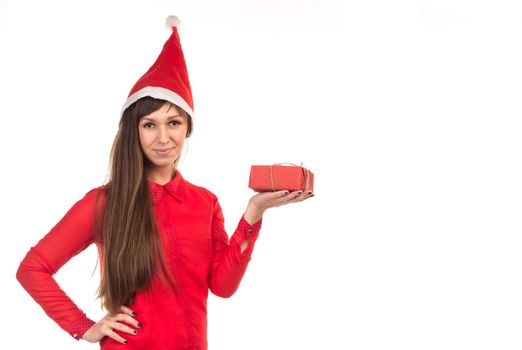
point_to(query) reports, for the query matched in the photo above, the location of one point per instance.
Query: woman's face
(162, 135)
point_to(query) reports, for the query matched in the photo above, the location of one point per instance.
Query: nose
(163, 135)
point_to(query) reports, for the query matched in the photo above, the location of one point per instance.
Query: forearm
(230, 262)
(36, 278)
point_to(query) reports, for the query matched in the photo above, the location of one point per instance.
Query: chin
(163, 164)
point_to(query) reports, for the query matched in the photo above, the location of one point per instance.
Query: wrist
(253, 214)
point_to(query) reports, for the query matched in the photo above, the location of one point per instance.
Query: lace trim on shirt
(80, 328)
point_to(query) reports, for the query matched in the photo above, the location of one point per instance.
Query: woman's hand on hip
(109, 323)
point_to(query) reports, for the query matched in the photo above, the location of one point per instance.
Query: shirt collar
(174, 188)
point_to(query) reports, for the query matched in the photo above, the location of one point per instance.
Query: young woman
(161, 240)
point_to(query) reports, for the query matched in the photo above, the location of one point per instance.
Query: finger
(295, 197)
(127, 310)
(309, 196)
(109, 332)
(282, 197)
(127, 319)
(122, 328)
(295, 194)
(277, 194)
(305, 195)
(289, 198)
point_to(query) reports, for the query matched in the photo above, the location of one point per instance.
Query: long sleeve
(72, 234)
(228, 262)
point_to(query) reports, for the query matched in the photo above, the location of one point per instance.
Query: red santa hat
(167, 79)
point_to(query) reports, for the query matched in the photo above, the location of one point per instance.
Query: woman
(161, 240)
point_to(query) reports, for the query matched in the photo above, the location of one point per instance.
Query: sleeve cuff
(245, 231)
(81, 327)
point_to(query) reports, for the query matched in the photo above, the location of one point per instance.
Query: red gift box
(280, 177)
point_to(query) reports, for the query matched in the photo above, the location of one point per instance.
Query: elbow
(224, 295)
(30, 267)
(223, 292)
(21, 274)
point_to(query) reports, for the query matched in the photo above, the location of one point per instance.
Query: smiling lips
(164, 151)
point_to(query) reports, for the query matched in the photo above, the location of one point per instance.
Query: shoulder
(200, 191)
(98, 192)
(94, 197)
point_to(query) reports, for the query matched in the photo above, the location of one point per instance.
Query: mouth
(163, 152)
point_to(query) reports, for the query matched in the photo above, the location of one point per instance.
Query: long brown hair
(130, 245)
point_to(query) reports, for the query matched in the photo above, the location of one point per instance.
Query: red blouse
(196, 248)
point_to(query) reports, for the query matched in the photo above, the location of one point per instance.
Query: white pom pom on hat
(167, 79)
(172, 21)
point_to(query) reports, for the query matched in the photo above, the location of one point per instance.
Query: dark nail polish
(300, 192)
(135, 332)
(140, 325)
(134, 314)
(309, 192)
(125, 342)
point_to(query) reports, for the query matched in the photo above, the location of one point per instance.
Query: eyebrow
(168, 118)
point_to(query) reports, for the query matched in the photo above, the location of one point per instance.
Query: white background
(408, 113)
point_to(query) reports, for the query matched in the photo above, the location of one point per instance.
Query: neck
(161, 176)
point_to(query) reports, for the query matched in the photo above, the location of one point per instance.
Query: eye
(148, 125)
(174, 122)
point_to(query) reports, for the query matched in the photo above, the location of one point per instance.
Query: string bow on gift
(307, 174)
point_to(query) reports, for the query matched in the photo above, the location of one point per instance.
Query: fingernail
(312, 195)
(135, 332)
(134, 314)
(286, 192)
(300, 192)
(140, 325)
(125, 342)
(309, 192)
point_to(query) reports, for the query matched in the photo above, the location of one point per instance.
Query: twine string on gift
(301, 166)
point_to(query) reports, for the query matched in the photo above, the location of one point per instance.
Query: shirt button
(249, 232)
(75, 335)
